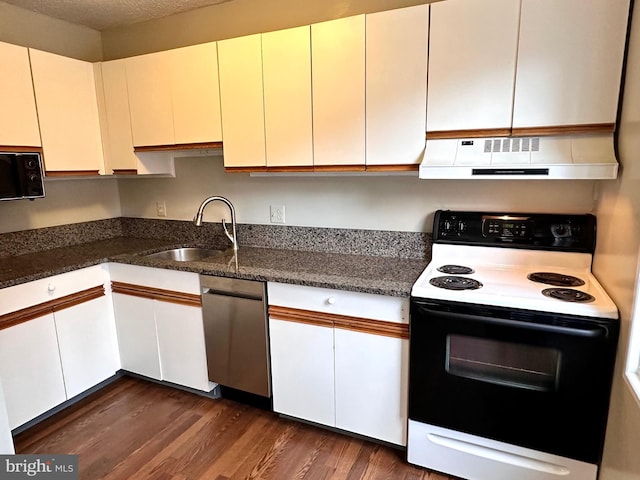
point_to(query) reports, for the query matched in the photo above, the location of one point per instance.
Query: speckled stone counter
(361, 273)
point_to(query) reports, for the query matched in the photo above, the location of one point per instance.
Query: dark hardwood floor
(135, 429)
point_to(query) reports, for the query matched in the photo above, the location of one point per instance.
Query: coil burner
(555, 279)
(455, 270)
(568, 295)
(452, 282)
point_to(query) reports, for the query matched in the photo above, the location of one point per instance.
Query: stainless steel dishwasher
(235, 328)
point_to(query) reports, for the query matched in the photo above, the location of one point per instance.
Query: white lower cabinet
(50, 351)
(302, 370)
(30, 369)
(337, 362)
(159, 318)
(6, 440)
(88, 344)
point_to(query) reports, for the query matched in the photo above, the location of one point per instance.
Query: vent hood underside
(521, 158)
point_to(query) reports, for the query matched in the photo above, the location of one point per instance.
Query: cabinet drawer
(186, 282)
(339, 302)
(50, 288)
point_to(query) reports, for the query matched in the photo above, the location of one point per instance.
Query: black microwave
(21, 176)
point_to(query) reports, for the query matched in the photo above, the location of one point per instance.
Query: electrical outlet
(161, 208)
(277, 213)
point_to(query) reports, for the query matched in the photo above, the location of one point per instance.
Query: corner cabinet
(19, 121)
(57, 340)
(174, 97)
(340, 359)
(65, 92)
(159, 320)
(570, 59)
(396, 86)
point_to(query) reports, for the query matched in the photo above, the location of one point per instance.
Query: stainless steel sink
(185, 254)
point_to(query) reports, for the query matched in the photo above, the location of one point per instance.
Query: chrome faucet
(197, 220)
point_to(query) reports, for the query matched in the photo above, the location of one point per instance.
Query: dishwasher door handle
(248, 296)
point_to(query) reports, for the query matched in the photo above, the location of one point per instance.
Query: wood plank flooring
(135, 429)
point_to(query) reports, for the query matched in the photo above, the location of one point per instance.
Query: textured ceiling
(104, 14)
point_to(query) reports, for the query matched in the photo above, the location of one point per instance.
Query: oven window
(503, 363)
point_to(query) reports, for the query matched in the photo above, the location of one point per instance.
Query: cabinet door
(242, 101)
(118, 142)
(371, 385)
(6, 440)
(396, 86)
(149, 84)
(195, 94)
(19, 121)
(137, 338)
(88, 344)
(65, 93)
(286, 57)
(569, 62)
(183, 358)
(472, 63)
(30, 369)
(302, 370)
(338, 79)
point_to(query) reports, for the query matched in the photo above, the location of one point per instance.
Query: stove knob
(461, 226)
(447, 226)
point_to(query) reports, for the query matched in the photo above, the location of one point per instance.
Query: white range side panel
(30, 369)
(137, 338)
(569, 62)
(6, 440)
(475, 458)
(472, 62)
(286, 69)
(183, 357)
(302, 371)
(88, 344)
(242, 101)
(19, 121)
(371, 382)
(396, 85)
(338, 79)
(195, 93)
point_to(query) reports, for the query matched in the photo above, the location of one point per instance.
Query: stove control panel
(516, 230)
(506, 227)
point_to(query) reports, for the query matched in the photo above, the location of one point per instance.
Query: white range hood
(521, 158)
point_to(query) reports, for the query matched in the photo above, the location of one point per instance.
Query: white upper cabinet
(286, 76)
(396, 85)
(116, 122)
(195, 94)
(569, 62)
(338, 79)
(19, 121)
(149, 87)
(473, 47)
(174, 96)
(66, 97)
(242, 101)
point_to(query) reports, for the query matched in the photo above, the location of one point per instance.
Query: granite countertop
(360, 273)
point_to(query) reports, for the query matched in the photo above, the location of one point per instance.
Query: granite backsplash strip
(416, 245)
(39, 239)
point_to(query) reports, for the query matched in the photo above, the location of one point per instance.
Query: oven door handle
(597, 331)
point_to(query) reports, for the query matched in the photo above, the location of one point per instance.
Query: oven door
(536, 380)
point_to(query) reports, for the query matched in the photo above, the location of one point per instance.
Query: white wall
(615, 266)
(66, 201)
(402, 203)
